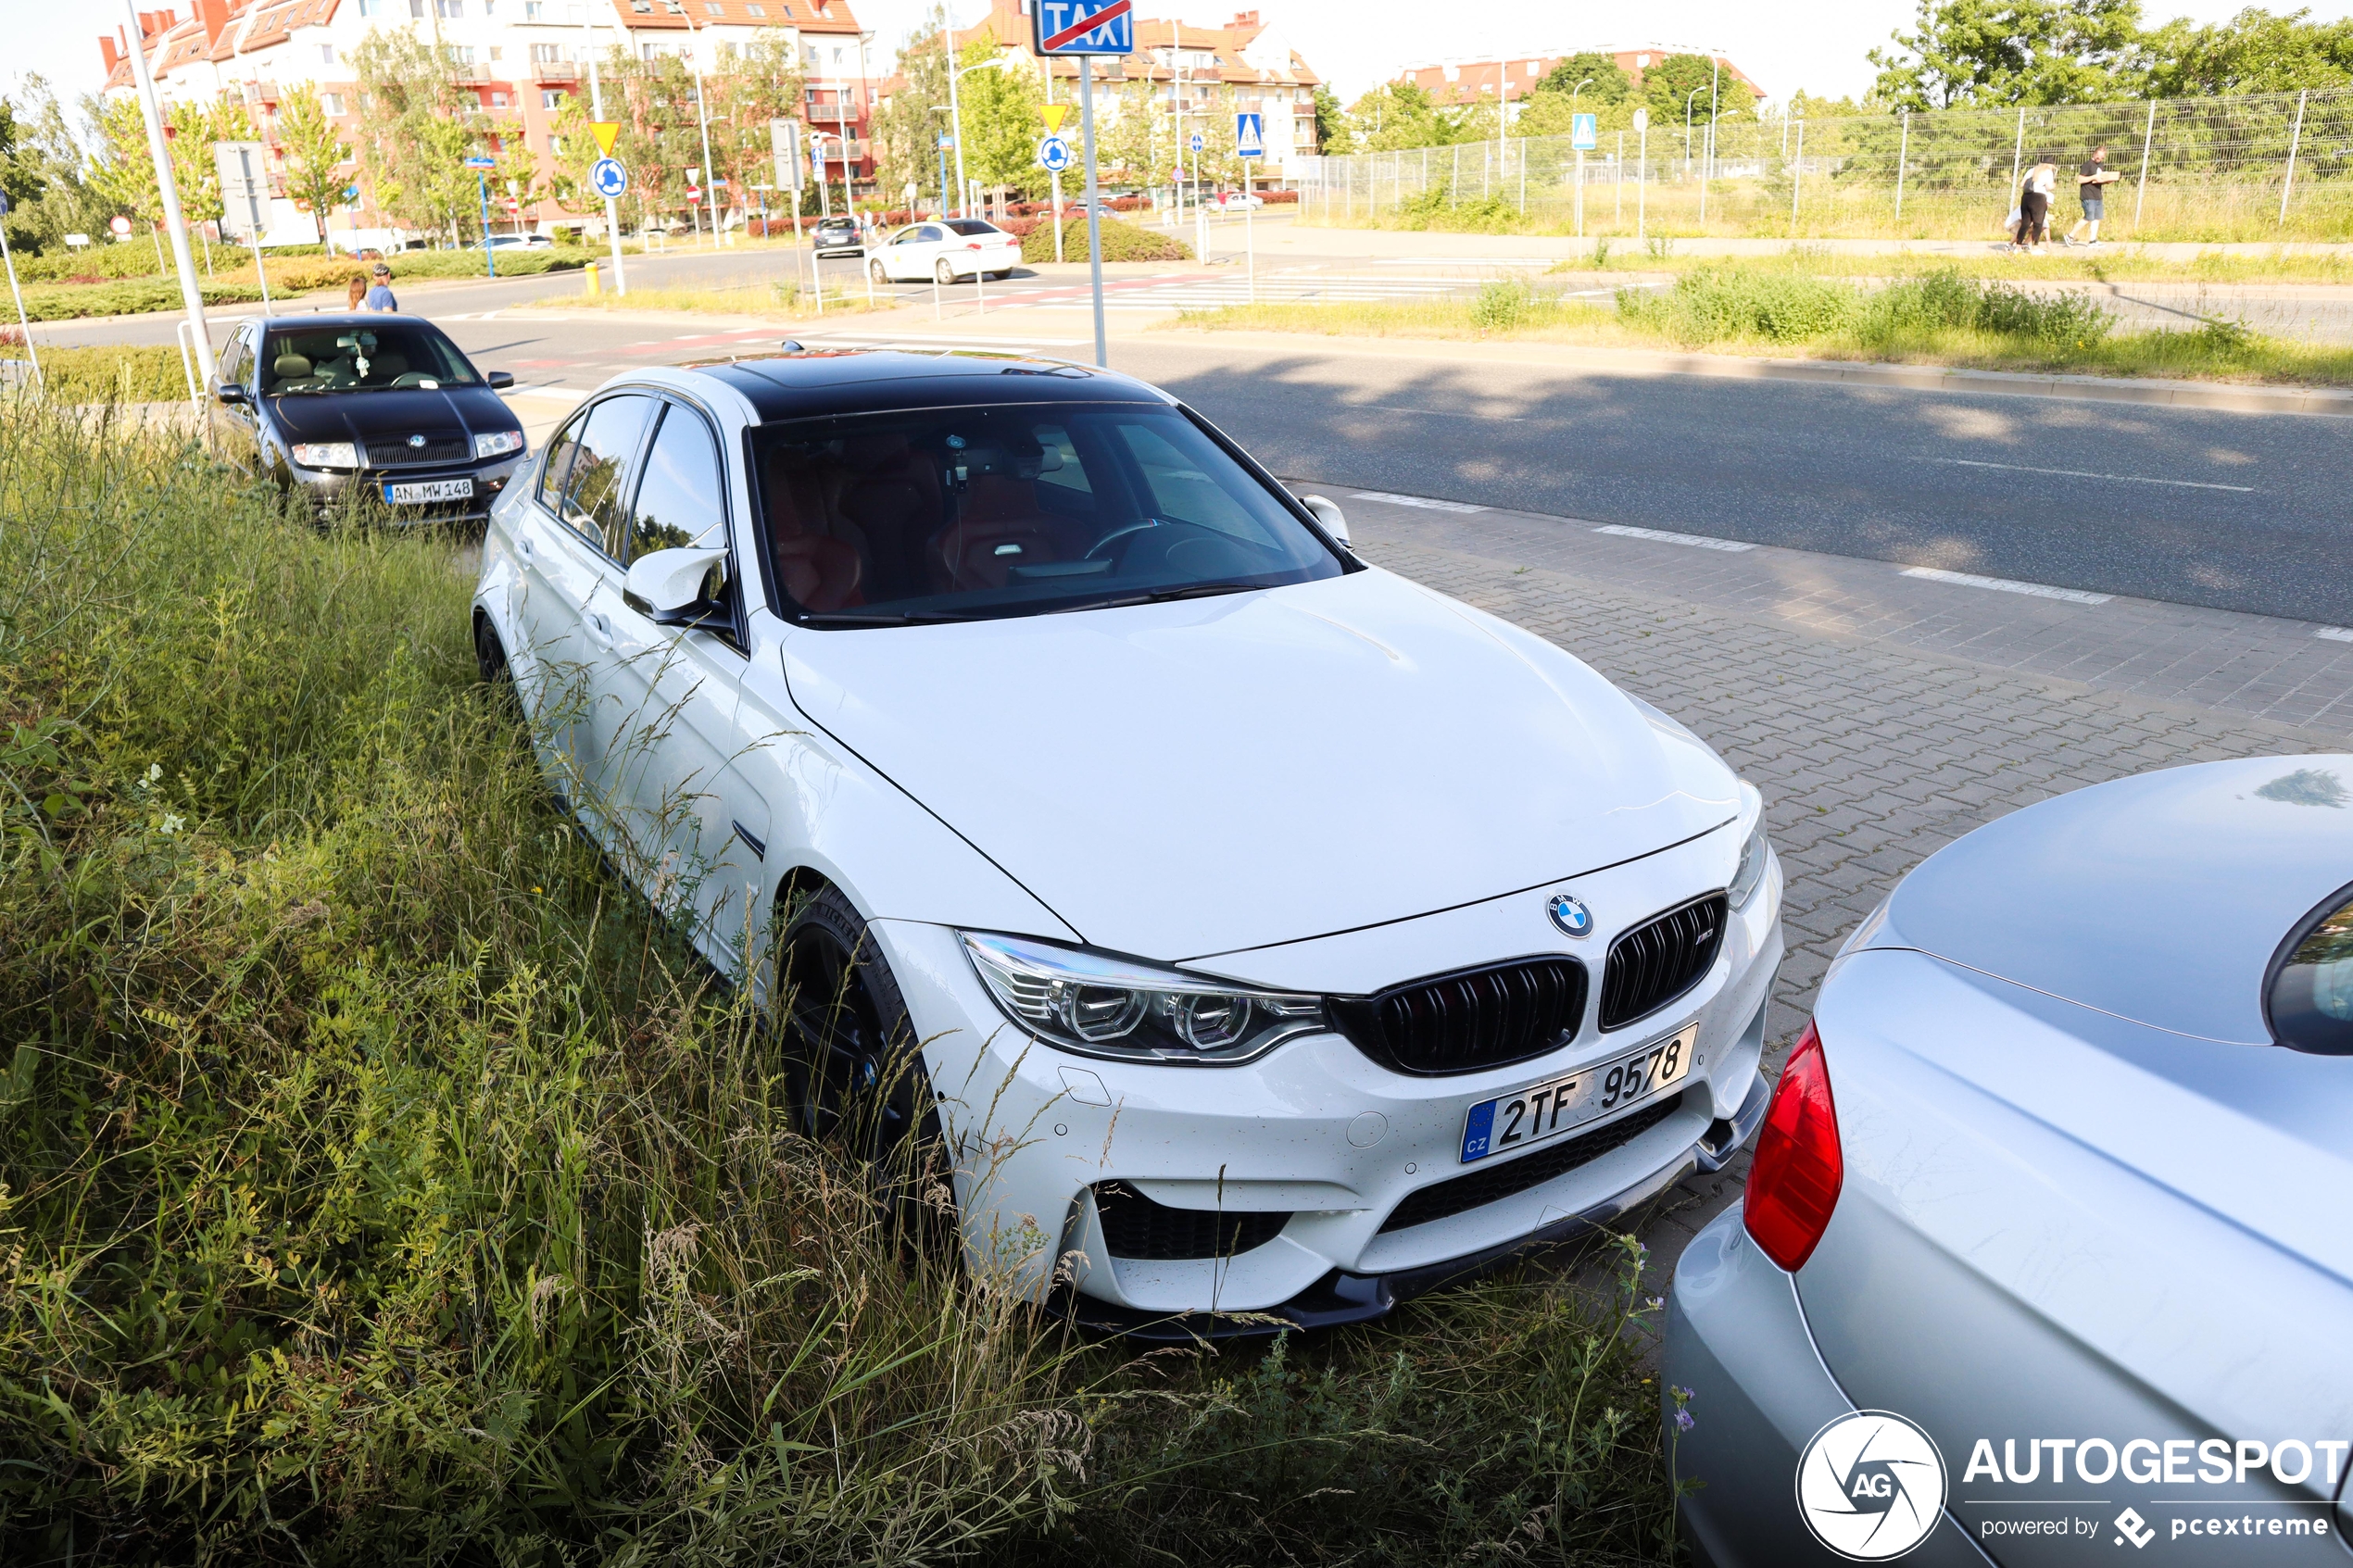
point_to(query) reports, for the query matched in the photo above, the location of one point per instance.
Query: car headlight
(497, 441)
(327, 455)
(1755, 854)
(1096, 1005)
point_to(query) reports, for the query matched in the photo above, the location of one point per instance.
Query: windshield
(969, 514)
(398, 354)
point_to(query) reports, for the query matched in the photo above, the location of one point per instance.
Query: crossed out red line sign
(1087, 24)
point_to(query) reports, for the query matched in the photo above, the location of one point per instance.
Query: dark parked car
(381, 401)
(840, 236)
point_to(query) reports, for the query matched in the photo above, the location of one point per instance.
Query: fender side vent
(1134, 1226)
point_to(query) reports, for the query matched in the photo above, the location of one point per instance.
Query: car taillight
(1794, 1183)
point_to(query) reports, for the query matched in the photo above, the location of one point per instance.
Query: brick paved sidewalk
(1869, 756)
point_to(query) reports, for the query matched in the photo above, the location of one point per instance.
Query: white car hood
(1192, 778)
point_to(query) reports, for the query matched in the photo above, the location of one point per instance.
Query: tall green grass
(380, 1181)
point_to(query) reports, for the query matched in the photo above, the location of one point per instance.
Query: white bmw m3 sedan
(1246, 929)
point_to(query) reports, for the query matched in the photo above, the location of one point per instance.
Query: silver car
(2046, 1254)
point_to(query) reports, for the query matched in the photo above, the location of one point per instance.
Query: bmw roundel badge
(1571, 915)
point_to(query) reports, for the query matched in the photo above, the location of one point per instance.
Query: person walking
(380, 296)
(2093, 178)
(2034, 205)
(357, 293)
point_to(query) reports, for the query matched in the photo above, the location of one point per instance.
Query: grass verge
(1940, 319)
(107, 374)
(380, 1183)
(780, 300)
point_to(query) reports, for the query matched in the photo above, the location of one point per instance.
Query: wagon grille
(1493, 1184)
(393, 452)
(1474, 1019)
(1136, 1226)
(1660, 960)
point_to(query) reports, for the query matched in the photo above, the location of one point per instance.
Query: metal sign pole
(613, 204)
(167, 189)
(23, 322)
(253, 223)
(1094, 220)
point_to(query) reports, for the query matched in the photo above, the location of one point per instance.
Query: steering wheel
(413, 378)
(1096, 549)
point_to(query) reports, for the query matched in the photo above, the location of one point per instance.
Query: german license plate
(431, 490)
(1558, 1105)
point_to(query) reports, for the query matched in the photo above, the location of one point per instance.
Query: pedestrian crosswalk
(1287, 287)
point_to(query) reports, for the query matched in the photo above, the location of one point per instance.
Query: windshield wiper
(880, 617)
(1162, 595)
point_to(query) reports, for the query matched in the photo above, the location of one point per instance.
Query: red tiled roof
(809, 15)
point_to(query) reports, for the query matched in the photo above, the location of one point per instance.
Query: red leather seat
(997, 527)
(818, 571)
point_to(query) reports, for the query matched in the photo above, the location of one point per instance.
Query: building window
(756, 9)
(372, 7)
(713, 8)
(417, 10)
(495, 52)
(331, 102)
(326, 53)
(497, 100)
(544, 54)
(452, 10)
(534, 11)
(550, 98)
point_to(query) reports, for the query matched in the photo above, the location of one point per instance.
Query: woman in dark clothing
(2034, 204)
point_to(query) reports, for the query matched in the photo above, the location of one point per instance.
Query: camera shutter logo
(1870, 1485)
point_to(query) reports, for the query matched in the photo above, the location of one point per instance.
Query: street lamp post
(1687, 132)
(702, 115)
(1580, 157)
(955, 113)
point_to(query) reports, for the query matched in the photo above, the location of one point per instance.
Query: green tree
(906, 133)
(999, 108)
(1331, 120)
(314, 152)
(1675, 79)
(1988, 53)
(1604, 82)
(2254, 52)
(1397, 115)
(417, 129)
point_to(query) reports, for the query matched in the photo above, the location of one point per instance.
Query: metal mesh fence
(2264, 167)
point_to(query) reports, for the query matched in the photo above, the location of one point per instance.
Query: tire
(1001, 277)
(855, 1068)
(874, 271)
(941, 270)
(490, 654)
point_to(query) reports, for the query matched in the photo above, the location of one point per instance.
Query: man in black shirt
(2093, 178)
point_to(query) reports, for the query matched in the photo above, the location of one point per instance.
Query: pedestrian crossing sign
(1585, 132)
(1249, 135)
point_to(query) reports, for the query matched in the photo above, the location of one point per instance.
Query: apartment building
(1467, 80)
(519, 58)
(1197, 67)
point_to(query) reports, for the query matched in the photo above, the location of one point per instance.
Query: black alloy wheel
(856, 1072)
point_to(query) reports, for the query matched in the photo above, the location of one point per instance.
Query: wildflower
(172, 823)
(1654, 1303)
(1683, 1421)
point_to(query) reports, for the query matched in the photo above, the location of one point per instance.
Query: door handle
(599, 627)
(524, 546)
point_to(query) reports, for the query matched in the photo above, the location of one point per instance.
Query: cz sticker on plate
(431, 490)
(1557, 1105)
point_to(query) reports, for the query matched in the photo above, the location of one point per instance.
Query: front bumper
(1736, 1337)
(1316, 1137)
(327, 487)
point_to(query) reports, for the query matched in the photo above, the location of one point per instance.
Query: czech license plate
(431, 490)
(1559, 1105)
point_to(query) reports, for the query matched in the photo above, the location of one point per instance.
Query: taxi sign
(1084, 26)
(608, 177)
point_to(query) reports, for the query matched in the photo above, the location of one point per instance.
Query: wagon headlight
(497, 441)
(1096, 1005)
(327, 455)
(1755, 854)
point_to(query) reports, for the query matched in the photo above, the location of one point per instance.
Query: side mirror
(228, 392)
(1327, 512)
(665, 586)
(500, 379)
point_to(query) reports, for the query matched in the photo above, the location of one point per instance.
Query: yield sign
(605, 130)
(1054, 115)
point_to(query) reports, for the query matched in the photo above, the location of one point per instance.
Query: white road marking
(2335, 633)
(1463, 261)
(2004, 586)
(1697, 541)
(553, 393)
(2113, 478)
(1422, 501)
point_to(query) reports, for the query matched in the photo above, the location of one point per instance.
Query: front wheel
(856, 1068)
(941, 270)
(874, 271)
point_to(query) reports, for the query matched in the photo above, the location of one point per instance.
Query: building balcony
(833, 114)
(554, 70)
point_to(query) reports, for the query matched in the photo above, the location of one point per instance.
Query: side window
(557, 465)
(600, 483)
(236, 360)
(680, 502)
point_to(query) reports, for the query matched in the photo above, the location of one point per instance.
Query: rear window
(973, 226)
(961, 514)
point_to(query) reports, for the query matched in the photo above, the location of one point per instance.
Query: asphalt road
(2234, 512)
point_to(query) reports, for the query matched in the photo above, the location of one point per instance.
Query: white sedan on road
(1243, 928)
(945, 249)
